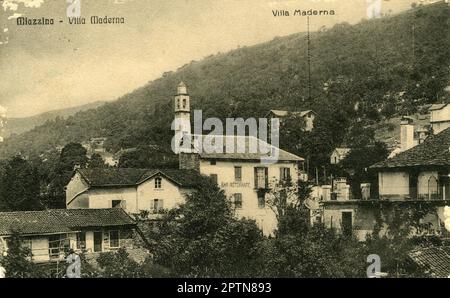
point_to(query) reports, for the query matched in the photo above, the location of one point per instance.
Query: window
(285, 174)
(81, 240)
(347, 223)
(116, 203)
(55, 244)
(238, 200)
(113, 239)
(214, 178)
(212, 162)
(158, 205)
(261, 178)
(184, 103)
(158, 181)
(261, 201)
(238, 173)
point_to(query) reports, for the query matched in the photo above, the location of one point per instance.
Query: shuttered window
(261, 177)
(285, 174)
(158, 205)
(238, 173)
(238, 200)
(214, 178)
(158, 181)
(113, 239)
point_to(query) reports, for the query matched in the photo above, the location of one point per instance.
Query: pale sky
(50, 67)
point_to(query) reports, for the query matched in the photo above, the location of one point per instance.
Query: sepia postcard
(225, 139)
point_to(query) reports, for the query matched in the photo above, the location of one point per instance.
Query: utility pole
(317, 176)
(309, 59)
(414, 43)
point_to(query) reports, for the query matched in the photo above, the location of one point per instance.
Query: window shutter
(256, 177)
(281, 174)
(266, 174)
(161, 204)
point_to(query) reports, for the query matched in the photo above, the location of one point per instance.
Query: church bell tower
(182, 115)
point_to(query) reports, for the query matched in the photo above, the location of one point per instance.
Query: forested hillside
(21, 125)
(368, 71)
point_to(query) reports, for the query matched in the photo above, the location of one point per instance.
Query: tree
(118, 265)
(287, 201)
(299, 250)
(96, 161)
(202, 238)
(19, 185)
(72, 155)
(148, 157)
(18, 262)
(358, 162)
(315, 252)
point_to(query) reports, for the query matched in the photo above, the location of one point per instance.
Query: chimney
(189, 161)
(365, 191)
(406, 133)
(423, 134)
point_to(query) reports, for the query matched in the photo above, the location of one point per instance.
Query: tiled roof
(61, 220)
(98, 177)
(281, 113)
(112, 176)
(434, 151)
(435, 259)
(342, 151)
(185, 178)
(246, 153)
(437, 106)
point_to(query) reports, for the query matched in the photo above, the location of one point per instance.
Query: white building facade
(244, 176)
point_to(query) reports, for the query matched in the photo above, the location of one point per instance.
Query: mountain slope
(21, 125)
(357, 71)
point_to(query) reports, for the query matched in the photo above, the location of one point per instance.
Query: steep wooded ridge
(372, 70)
(24, 124)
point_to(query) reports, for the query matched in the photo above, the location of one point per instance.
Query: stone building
(51, 233)
(440, 116)
(133, 190)
(243, 175)
(419, 174)
(338, 155)
(308, 116)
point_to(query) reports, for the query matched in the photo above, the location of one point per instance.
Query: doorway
(98, 239)
(347, 223)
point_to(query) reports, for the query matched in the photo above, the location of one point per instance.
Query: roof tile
(434, 151)
(61, 220)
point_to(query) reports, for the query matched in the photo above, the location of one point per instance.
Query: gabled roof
(111, 176)
(102, 177)
(247, 152)
(437, 106)
(61, 220)
(434, 151)
(342, 151)
(282, 113)
(435, 259)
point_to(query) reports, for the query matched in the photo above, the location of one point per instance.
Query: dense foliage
(19, 186)
(202, 238)
(365, 71)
